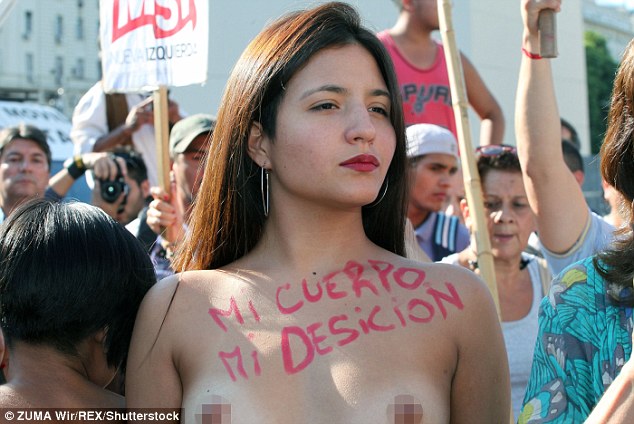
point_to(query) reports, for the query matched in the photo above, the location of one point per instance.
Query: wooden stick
(547, 24)
(471, 178)
(161, 134)
(473, 187)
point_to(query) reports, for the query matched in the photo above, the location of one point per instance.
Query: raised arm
(141, 114)
(102, 165)
(552, 189)
(484, 104)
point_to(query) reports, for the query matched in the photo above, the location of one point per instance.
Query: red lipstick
(362, 163)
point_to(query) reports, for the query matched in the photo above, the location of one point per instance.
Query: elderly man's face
(24, 171)
(187, 167)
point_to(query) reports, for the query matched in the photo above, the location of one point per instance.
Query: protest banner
(50, 120)
(149, 45)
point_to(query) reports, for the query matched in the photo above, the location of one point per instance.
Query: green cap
(187, 129)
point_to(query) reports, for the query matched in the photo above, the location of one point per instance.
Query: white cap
(423, 139)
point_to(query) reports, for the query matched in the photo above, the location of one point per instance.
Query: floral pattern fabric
(584, 340)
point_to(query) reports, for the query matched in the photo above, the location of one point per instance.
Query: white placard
(149, 43)
(53, 122)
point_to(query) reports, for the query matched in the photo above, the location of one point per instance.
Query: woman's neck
(311, 239)
(505, 269)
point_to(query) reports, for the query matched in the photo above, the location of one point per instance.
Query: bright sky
(628, 3)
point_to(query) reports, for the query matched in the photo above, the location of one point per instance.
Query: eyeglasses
(495, 150)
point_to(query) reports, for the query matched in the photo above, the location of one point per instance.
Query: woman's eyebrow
(331, 88)
(379, 92)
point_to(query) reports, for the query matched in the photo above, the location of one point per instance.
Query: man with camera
(25, 163)
(122, 194)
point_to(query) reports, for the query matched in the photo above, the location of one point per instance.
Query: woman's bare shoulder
(168, 320)
(438, 268)
(176, 293)
(463, 280)
(189, 280)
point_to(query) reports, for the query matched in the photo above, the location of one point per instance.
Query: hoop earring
(376, 202)
(264, 180)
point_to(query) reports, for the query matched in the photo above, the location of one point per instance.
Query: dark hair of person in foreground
(617, 169)
(71, 282)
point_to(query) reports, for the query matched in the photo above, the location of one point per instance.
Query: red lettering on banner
(166, 18)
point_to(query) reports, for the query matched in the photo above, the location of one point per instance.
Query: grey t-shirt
(596, 237)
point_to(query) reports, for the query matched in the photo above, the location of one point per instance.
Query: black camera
(111, 190)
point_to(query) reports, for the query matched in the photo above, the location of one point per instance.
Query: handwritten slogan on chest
(423, 304)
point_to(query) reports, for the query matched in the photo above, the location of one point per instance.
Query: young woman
(522, 279)
(71, 282)
(296, 304)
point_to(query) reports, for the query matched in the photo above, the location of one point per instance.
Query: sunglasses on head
(495, 150)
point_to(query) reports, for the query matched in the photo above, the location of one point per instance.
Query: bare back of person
(46, 396)
(375, 338)
(55, 404)
(40, 376)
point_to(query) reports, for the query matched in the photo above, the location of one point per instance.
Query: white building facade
(613, 23)
(49, 51)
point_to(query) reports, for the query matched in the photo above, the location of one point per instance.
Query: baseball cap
(187, 129)
(423, 139)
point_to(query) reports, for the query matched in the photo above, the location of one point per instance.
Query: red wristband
(531, 55)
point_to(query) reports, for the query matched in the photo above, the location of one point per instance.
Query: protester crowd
(307, 268)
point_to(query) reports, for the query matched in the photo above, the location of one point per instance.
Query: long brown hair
(228, 217)
(616, 265)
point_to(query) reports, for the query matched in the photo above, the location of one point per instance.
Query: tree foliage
(601, 68)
